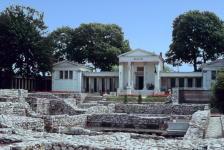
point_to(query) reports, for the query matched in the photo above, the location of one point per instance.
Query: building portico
(142, 67)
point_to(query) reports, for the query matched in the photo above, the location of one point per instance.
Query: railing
(195, 96)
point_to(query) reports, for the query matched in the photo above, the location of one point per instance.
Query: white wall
(65, 84)
(150, 73)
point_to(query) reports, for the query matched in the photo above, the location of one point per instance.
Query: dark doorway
(172, 83)
(95, 85)
(87, 84)
(103, 84)
(140, 83)
(111, 84)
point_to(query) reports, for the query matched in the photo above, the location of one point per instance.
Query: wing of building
(139, 71)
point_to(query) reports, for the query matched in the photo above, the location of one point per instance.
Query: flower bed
(158, 95)
(128, 95)
(54, 92)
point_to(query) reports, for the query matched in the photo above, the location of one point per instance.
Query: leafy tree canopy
(196, 38)
(61, 38)
(167, 69)
(23, 48)
(217, 100)
(98, 43)
(115, 69)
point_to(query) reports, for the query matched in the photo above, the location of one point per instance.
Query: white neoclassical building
(139, 71)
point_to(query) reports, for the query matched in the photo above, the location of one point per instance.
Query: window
(198, 82)
(140, 68)
(189, 82)
(213, 75)
(70, 74)
(181, 82)
(61, 74)
(66, 74)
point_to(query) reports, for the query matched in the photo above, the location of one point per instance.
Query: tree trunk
(195, 64)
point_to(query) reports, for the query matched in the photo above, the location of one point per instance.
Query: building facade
(139, 71)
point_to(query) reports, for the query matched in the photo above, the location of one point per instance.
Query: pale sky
(146, 23)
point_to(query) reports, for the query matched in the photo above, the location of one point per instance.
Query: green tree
(99, 44)
(115, 69)
(196, 38)
(62, 38)
(139, 98)
(167, 69)
(24, 49)
(217, 88)
(125, 99)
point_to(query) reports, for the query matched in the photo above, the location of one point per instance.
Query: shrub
(217, 99)
(125, 99)
(139, 98)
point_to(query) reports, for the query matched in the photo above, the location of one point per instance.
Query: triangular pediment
(66, 63)
(137, 52)
(215, 63)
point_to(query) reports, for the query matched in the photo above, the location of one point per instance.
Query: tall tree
(98, 43)
(196, 38)
(24, 49)
(62, 38)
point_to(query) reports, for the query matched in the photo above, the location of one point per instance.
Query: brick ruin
(62, 121)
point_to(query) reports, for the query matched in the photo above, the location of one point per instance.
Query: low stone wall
(101, 109)
(197, 125)
(88, 105)
(43, 95)
(80, 97)
(123, 120)
(45, 106)
(64, 120)
(222, 122)
(39, 105)
(75, 131)
(60, 107)
(177, 117)
(13, 93)
(158, 108)
(21, 122)
(17, 108)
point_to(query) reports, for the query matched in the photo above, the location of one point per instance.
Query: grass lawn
(134, 99)
(93, 96)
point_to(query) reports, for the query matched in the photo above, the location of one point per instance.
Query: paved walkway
(214, 128)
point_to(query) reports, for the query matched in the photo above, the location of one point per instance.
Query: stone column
(168, 83)
(97, 84)
(79, 79)
(105, 84)
(194, 83)
(185, 83)
(156, 87)
(177, 82)
(84, 83)
(132, 76)
(19, 83)
(113, 84)
(145, 76)
(22, 84)
(121, 76)
(129, 78)
(204, 79)
(25, 84)
(89, 84)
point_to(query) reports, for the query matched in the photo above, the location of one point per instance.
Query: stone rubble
(26, 123)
